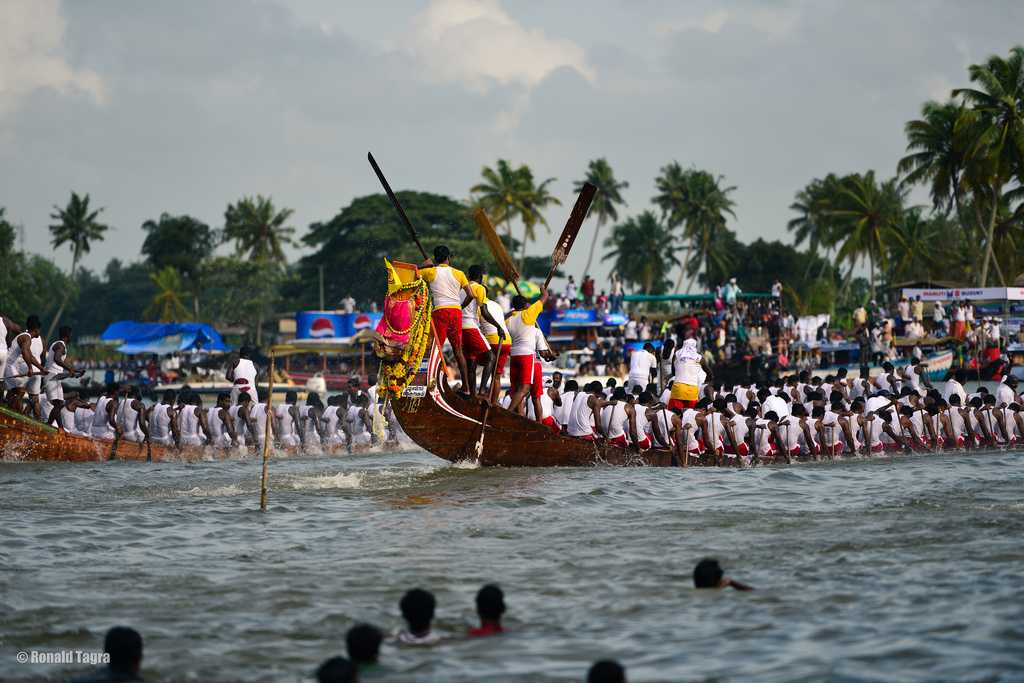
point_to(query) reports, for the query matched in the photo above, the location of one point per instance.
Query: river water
(906, 569)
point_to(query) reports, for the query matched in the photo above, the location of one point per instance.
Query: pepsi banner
(332, 325)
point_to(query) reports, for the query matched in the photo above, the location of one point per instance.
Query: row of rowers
(745, 423)
(180, 419)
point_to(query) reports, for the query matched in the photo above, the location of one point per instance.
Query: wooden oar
(495, 380)
(498, 250)
(267, 434)
(396, 204)
(561, 252)
(572, 228)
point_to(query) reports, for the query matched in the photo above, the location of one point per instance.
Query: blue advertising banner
(578, 317)
(332, 325)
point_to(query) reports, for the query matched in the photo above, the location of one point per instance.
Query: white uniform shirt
(641, 362)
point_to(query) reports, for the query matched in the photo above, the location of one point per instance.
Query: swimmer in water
(490, 606)
(708, 574)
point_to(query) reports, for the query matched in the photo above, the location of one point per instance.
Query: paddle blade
(498, 250)
(572, 226)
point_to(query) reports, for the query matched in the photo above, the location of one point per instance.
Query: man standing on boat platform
(447, 285)
(7, 326)
(242, 374)
(58, 366)
(522, 326)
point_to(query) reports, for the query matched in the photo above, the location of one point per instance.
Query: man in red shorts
(500, 342)
(447, 285)
(522, 326)
(475, 347)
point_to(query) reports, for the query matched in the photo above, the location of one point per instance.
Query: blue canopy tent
(134, 337)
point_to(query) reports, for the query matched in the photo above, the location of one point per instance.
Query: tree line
(968, 152)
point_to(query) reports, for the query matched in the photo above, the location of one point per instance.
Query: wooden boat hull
(24, 440)
(448, 426)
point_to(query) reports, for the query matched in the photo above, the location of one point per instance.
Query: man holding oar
(447, 285)
(522, 326)
(476, 348)
(25, 368)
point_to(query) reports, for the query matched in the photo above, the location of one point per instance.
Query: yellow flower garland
(396, 375)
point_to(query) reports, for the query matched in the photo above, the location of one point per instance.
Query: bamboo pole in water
(266, 434)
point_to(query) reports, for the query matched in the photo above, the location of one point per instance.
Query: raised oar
(572, 228)
(394, 202)
(498, 250)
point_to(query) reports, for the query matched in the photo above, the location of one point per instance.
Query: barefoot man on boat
(522, 326)
(243, 375)
(24, 370)
(447, 286)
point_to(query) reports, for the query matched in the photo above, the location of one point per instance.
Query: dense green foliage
(351, 247)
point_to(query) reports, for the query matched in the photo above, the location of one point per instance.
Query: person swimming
(708, 574)
(418, 611)
(363, 644)
(490, 606)
(606, 671)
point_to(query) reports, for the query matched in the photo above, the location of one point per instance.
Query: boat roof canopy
(132, 337)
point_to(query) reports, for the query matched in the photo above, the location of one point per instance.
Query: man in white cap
(689, 372)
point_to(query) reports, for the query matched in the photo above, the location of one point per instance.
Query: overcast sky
(185, 106)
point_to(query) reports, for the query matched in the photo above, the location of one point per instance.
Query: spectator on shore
(917, 309)
(418, 611)
(617, 293)
(730, 292)
(776, 290)
(606, 671)
(708, 574)
(337, 670)
(570, 290)
(587, 290)
(938, 319)
(490, 606)
(124, 646)
(630, 333)
(363, 644)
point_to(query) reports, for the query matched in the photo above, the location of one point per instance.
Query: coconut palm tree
(167, 306)
(641, 258)
(995, 126)
(698, 202)
(78, 226)
(606, 201)
(869, 210)
(936, 154)
(912, 246)
(708, 203)
(258, 229)
(815, 223)
(535, 199)
(507, 193)
(671, 199)
(501, 194)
